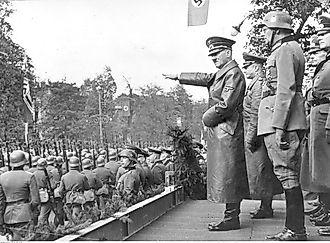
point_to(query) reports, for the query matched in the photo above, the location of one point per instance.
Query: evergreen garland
(187, 169)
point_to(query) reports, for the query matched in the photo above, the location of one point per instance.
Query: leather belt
(16, 202)
(316, 102)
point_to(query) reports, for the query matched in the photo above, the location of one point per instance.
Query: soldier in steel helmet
(226, 169)
(72, 187)
(57, 174)
(281, 116)
(316, 169)
(263, 183)
(19, 198)
(106, 177)
(129, 181)
(43, 185)
(142, 158)
(94, 182)
(34, 164)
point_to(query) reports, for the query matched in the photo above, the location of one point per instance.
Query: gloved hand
(327, 135)
(282, 140)
(253, 144)
(2, 230)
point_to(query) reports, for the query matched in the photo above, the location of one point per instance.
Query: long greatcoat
(226, 169)
(315, 169)
(262, 181)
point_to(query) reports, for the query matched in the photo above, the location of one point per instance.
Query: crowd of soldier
(29, 195)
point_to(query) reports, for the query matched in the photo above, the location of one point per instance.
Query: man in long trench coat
(315, 171)
(263, 183)
(226, 169)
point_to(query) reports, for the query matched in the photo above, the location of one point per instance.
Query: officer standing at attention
(318, 165)
(226, 169)
(263, 183)
(19, 198)
(281, 117)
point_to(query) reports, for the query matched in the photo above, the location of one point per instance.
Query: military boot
(295, 219)
(230, 221)
(321, 217)
(265, 210)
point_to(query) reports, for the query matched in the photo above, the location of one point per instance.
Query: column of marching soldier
(37, 195)
(269, 137)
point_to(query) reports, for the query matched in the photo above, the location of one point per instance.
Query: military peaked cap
(217, 44)
(324, 20)
(250, 59)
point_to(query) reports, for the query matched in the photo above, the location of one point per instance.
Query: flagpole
(26, 132)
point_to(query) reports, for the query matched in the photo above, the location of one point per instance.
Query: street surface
(189, 220)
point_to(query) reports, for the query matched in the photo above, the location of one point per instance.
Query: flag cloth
(27, 99)
(197, 12)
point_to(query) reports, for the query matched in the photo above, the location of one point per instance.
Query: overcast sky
(138, 39)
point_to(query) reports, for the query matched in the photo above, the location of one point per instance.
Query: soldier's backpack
(89, 195)
(44, 196)
(104, 190)
(75, 196)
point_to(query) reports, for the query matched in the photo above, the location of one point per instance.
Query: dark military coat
(315, 169)
(73, 179)
(93, 181)
(226, 169)
(105, 175)
(129, 182)
(149, 180)
(158, 172)
(113, 166)
(262, 181)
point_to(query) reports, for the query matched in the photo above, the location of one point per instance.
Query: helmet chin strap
(270, 44)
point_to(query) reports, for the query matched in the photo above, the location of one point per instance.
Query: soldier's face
(249, 71)
(124, 160)
(324, 40)
(267, 33)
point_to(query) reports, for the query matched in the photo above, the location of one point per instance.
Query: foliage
(14, 66)
(61, 110)
(108, 207)
(188, 172)
(302, 12)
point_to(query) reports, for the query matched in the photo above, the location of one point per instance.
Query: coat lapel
(225, 69)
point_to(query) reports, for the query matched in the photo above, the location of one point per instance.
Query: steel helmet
(100, 161)
(41, 163)
(103, 152)
(51, 160)
(129, 154)
(17, 158)
(35, 159)
(277, 20)
(73, 162)
(88, 156)
(59, 160)
(69, 154)
(86, 163)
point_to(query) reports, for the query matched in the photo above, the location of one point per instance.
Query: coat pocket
(230, 124)
(324, 110)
